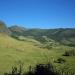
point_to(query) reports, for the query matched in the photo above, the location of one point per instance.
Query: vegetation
(69, 53)
(64, 36)
(60, 60)
(34, 46)
(39, 69)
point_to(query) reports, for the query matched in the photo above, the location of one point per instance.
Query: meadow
(12, 51)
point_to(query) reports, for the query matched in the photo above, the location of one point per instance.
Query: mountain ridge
(63, 35)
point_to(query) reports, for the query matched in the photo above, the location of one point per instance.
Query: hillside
(4, 29)
(63, 36)
(33, 46)
(29, 52)
(12, 51)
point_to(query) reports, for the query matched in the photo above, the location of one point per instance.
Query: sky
(38, 13)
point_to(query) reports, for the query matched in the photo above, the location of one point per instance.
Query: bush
(43, 69)
(69, 53)
(60, 60)
(39, 69)
(16, 70)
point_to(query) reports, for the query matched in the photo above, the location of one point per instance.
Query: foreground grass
(12, 50)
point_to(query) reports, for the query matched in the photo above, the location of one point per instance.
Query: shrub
(43, 69)
(60, 60)
(69, 53)
(16, 70)
(39, 69)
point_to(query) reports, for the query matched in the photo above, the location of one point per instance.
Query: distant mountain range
(64, 36)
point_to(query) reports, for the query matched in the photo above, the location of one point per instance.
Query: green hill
(64, 36)
(12, 50)
(33, 46)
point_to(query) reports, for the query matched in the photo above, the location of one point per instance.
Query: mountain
(32, 46)
(62, 35)
(4, 29)
(17, 30)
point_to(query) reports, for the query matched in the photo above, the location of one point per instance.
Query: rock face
(4, 29)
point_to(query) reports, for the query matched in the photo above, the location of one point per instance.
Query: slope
(64, 36)
(4, 29)
(12, 51)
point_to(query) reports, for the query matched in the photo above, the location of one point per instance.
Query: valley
(34, 46)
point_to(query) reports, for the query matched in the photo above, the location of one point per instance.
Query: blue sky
(38, 13)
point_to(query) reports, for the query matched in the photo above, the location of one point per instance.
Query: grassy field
(12, 51)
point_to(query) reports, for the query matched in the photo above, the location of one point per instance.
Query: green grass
(12, 50)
